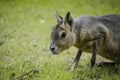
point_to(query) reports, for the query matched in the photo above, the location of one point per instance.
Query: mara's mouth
(53, 52)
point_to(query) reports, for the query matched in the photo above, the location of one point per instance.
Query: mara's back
(112, 22)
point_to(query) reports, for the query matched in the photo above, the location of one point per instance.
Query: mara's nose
(52, 48)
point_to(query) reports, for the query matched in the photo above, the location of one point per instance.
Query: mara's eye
(63, 34)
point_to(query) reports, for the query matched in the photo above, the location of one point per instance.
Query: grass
(25, 27)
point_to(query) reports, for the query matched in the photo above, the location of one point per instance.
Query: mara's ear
(59, 19)
(69, 19)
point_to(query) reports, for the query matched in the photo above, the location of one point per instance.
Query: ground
(25, 29)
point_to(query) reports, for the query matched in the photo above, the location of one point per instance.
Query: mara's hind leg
(113, 69)
(101, 64)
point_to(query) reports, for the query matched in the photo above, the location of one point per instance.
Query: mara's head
(62, 36)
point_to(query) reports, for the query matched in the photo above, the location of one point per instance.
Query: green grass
(25, 27)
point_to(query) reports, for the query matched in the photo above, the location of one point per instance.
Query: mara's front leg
(94, 52)
(76, 60)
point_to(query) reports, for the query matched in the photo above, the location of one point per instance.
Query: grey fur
(97, 35)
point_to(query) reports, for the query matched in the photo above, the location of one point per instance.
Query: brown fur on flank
(99, 35)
